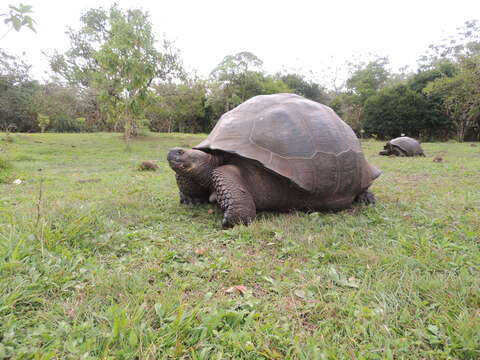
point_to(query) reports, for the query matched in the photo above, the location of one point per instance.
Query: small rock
(147, 166)
(18, 182)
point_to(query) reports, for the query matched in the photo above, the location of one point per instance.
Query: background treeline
(115, 77)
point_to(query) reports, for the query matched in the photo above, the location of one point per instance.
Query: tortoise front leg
(233, 196)
(190, 191)
(398, 152)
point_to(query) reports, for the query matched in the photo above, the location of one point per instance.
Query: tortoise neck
(211, 162)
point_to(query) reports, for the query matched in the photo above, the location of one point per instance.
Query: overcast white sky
(311, 35)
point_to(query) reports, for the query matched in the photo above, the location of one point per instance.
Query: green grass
(108, 264)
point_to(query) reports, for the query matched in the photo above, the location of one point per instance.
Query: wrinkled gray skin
(241, 186)
(402, 146)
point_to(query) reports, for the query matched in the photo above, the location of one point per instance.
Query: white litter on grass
(18, 182)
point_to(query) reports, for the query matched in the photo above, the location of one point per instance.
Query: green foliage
(43, 121)
(117, 79)
(349, 107)
(236, 79)
(434, 71)
(63, 124)
(457, 60)
(399, 110)
(17, 92)
(303, 87)
(18, 17)
(236, 69)
(365, 81)
(178, 107)
(460, 95)
(70, 108)
(271, 85)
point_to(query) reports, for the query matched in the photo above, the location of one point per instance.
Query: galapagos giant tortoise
(275, 152)
(402, 146)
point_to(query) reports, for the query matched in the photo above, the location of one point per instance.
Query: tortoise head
(189, 162)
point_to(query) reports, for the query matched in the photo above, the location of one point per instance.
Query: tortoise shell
(409, 146)
(297, 138)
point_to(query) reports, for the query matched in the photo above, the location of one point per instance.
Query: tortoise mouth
(179, 165)
(175, 163)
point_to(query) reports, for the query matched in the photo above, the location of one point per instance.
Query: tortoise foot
(232, 196)
(186, 199)
(366, 198)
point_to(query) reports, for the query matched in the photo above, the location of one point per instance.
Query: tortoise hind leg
(233, 196)
(365, 198)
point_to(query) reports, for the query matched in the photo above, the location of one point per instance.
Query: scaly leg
(190, 191)
(232, 196)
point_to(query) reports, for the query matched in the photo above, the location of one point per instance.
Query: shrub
(67, 124)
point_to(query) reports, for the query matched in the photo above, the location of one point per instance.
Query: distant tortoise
(402, 146)
(275, 152)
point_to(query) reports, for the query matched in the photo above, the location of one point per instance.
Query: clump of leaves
(147, 166)
(18, 17)
(43, 121)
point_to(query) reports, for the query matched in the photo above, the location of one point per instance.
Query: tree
(349, 107)
(438, 126)
(114, 52)
(18, 17)
(439, 69)
(459, 91)
(397, 109)
(43, 121)
(239, 75)
(460, 95)
(369, 78)
(303, 87)
(64, 104)
(178, 107)
(271, 85)
(465, 43)
(363, 83)
(17, 91)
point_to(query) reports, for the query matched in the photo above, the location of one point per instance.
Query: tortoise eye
(180, 152)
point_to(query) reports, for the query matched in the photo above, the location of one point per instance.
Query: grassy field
(100, 261)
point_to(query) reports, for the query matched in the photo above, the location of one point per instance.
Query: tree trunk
(461, 131)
